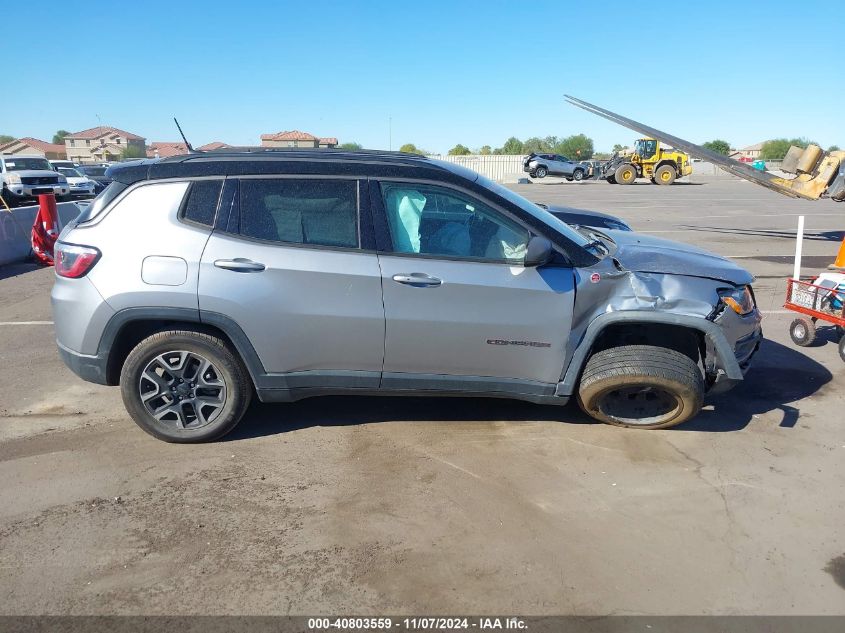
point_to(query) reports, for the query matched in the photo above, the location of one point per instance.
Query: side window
(300, 211)
(432, 220)
(201, 203)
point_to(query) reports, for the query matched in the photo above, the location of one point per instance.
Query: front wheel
(842, 348)
(611, 180)
(578, 175)
(802, 331)
(625, 174)
(542, 172)
(8, 198)
(641, 386)
(185, 386)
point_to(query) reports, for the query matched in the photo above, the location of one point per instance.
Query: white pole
(796, 272)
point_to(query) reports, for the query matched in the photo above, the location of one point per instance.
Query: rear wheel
(625, 174)
(185, 386)
(641, 386)
(578, 174)
(542, 172)
(802, 331)
(665, 175)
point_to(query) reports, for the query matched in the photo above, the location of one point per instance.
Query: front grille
(40, 180)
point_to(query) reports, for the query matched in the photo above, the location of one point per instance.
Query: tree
(351, 145)
(133, 151)
(459, 150)
(576, 147)
(833, 148)
(719, 146)
(59, 137)
(618, 148)
(536, 145)
(512, 146)
(776, 149)
(410, 148)
(485, 150)
(5, 138)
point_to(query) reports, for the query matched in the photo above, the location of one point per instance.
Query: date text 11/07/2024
(416, 624)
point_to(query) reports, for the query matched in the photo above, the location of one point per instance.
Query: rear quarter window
(200, 205)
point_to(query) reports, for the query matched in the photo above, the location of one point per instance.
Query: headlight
(13, 179)
(740, 300)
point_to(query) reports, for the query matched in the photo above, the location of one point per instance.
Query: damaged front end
(652, 291)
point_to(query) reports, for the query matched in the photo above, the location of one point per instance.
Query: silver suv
(542, 165)
(197, 281)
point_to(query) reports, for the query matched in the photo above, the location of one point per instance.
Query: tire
(568, 179)
(174, 356)
(802, 331)
(842, 348)
(611, 180)
(578, 175)
(665, 175)
(11, 201)
(641, 386)
(533, 174)
(625, 174)
(541, 172)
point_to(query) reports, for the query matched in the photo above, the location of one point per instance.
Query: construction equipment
(817, 173)
(650, 159)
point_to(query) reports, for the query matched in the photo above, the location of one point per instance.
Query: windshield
(94, 171)
(19, 164)
(67, 171)
(541, 214)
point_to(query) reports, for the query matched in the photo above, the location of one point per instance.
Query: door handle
(417, 280)
(240, 265)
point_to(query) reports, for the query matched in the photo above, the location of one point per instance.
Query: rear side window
(201, 203)
(300, 211)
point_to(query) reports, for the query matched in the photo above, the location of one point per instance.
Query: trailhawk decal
(499, 341)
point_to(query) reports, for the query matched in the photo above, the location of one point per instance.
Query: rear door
(289, 267)
(462, 312)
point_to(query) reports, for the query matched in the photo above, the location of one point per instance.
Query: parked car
(55, 164)
(197, 280)
(583, 217)
(23, 178)
(79, 183)
(542, 165)
(97, 173)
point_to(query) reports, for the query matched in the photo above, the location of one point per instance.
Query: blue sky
(445, 72)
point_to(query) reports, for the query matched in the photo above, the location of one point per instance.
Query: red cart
(816, 301)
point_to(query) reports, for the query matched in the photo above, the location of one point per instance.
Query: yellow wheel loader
(661, 164)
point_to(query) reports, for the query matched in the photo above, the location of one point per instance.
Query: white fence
(494, 167)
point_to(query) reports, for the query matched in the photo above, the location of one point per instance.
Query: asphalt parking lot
(444, 506)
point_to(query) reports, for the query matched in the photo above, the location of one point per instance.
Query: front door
(291, 272)
(461, 310)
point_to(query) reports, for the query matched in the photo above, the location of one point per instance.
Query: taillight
(74, 261)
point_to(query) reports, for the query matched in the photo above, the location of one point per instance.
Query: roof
(44, 146)
(329, 140)
(212, 146)
(165, 149)
(103, 130)
(753, 148)
(293, 135)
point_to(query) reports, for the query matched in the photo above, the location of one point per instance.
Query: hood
(646, 254)
(77, 180)
(34, 173)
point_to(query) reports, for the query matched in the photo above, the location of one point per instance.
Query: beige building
(295, 138)
(102, 144)
(747, 154)
(34, 147)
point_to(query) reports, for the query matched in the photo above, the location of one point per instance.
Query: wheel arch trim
(713, 333)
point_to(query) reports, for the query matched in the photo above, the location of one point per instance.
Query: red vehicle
(816, 300)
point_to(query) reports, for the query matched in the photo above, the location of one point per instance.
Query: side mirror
(538, 252)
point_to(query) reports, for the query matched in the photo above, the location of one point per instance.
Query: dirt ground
(443, 506)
